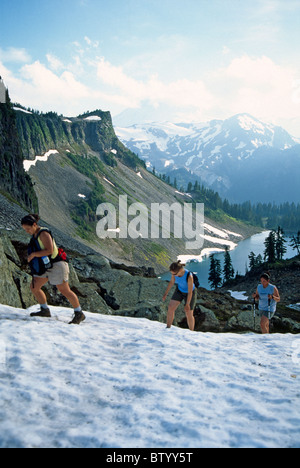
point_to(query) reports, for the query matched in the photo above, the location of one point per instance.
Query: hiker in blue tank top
(185, 291)
(267, 294)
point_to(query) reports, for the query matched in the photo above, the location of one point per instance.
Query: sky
(155, 60)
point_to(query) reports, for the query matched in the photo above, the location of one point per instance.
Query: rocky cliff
(14, 182)
(86, 134)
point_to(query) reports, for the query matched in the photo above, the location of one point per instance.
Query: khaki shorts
(58, 274)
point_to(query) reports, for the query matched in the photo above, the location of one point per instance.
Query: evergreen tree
(189, 187)
(228, 271)
(215, 277)
(252, 260)
(270, 250)
(295, 242)
(280, 243)
(259, 260)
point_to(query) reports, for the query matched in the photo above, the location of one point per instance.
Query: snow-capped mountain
(218, 152)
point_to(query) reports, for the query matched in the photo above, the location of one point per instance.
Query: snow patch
(27, 164)
(108, 181)
(21, 110)
(239, 295)
(248, 123)
(93, 118)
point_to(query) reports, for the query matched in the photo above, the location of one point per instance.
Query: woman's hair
(266, 276)
(176, 267)
(30, 220)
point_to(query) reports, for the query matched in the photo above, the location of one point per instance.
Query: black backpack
(195, 278)
(37, 265)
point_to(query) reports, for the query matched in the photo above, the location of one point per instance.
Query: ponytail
(30, 220)
(176, 267)
(266, 276)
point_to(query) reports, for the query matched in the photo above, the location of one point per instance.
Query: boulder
(208, 321)
(243, 321)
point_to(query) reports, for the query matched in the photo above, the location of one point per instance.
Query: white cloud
(256, 85)
(13, 54)
(180, 93)
(91, 43)
(40, 88)
(44, 81)
(261, 87)
(54, 63)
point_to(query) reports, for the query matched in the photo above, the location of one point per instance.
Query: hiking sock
(78, 309)
(44, 306)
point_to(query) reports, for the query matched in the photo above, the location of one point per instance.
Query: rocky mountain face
(242, 158)
(90, 132)
(85, 165)
(14, 182)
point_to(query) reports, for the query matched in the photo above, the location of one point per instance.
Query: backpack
(195, 278)
(37, 265)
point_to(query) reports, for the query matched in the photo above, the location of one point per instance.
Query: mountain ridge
(220, 153)
(82, 164)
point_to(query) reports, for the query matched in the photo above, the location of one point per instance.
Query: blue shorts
(266, 313)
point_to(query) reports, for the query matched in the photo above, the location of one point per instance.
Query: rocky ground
(103, 288)
(110, 288)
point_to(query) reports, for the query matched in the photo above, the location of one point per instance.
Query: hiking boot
(78, 318)
(42, 313)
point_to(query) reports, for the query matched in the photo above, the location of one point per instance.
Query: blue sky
(179, 60)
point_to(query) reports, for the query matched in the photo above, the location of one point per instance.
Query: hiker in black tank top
(56, 271)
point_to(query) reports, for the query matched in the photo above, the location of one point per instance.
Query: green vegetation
(38, 132)
(264, 215)
(84, 213)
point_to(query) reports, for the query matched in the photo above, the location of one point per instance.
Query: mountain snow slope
(121, 382)
(239, 151)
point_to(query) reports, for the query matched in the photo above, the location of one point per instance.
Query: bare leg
(265, 325)
(70, 295)
(190, 319)
(171, 312)
(36, 289)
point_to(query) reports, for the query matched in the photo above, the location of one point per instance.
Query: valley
(78, 163)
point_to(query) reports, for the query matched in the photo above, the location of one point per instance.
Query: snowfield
(119, 382)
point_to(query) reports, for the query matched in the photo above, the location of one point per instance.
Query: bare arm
(276, 295)
(48, 250)
(170, 285)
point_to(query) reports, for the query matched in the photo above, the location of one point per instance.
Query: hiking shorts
(58, 274)
(180, 296)
(265, 313)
